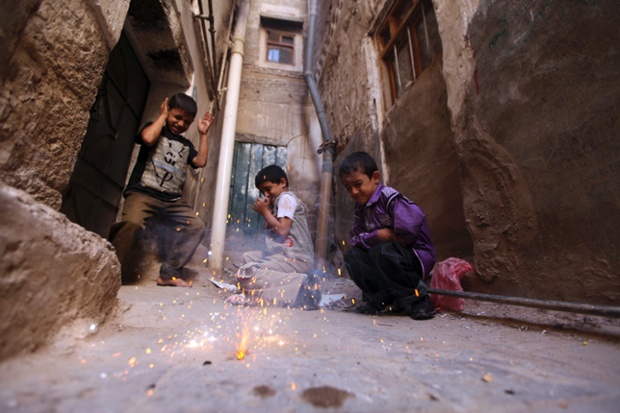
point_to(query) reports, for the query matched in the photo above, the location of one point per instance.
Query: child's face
(178, 121)
(359, 186)
(272, 190)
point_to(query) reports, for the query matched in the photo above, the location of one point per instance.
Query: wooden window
(280, 47)
(408, 41)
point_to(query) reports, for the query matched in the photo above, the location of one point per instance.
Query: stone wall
(48, 86)
(274, 104)
(53, 274)
(412, 140)
(537, 135)
(515, 156)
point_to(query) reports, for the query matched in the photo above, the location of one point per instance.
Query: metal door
(95, 188)
(244, 225)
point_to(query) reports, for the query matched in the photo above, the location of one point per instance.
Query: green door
(244, 226)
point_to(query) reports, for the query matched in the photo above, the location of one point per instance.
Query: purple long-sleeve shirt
(388, 208)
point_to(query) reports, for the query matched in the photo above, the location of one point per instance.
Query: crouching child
(281, 275)
(392, 250)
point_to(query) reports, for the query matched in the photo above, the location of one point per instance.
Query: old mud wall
(412, 140)
(57, 54)
(509, 142)
(534, 93)
(53, 272)
(54, 276)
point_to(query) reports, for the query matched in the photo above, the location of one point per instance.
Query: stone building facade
(507, 140)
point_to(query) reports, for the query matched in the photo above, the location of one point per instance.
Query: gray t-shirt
(161, 169)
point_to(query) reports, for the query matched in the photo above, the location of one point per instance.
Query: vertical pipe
(211, 73)
(327, 170)
(324, 209)
(224, 170)
(212, 31)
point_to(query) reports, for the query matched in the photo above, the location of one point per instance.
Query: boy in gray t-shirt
(155, 188)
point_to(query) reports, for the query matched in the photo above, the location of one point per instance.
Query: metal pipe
(327, 148)
(211, 70)
(224, 66)
(224, 170)
(607, 311)
(212, 31)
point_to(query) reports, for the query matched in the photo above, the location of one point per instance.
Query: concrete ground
(173, 349)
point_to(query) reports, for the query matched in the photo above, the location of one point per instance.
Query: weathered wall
(538, 138)
(48, 85)
(274, 105)
(412, 139)
(52, 273)
(509, 143)
(349, 85)
(422, 160)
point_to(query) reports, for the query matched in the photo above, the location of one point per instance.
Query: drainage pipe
(327, 171)
(224, 170)
(607, 311)
(211, 69)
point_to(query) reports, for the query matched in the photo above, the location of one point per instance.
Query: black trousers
(386, 273)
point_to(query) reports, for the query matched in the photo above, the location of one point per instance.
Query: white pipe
(224, 170)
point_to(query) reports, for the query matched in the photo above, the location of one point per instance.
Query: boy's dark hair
(271, 173)
(186, 103)
(358, 161)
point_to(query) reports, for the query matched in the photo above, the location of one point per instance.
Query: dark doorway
(95, 189)
(243, 223)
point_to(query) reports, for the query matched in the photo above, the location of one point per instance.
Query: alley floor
(172, 349)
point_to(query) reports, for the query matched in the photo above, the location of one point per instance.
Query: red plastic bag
(447, 275)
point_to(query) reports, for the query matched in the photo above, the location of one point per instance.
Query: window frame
(400, 24)
(288, 27)
(280, 44)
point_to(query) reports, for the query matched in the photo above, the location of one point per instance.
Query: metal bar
(211, 71)
(607, 311)
(212, 31)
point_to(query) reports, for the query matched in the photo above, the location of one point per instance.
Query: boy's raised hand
(205, 123)
(163, 108)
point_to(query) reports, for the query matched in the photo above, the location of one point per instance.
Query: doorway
(95, 188)
(243, 227)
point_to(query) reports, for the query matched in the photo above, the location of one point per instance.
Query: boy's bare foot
(173, 282)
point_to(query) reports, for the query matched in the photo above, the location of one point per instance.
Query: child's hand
(205, 123)
(261, 205)
(386, 234)
(163, 108)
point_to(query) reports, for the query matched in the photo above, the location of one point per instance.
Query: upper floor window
(408, 41)
(280, 47)
(280, 44)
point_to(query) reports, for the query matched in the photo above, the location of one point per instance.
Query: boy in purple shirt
(392, 250)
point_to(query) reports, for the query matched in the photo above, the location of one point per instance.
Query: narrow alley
(185, 350)
(135, 140)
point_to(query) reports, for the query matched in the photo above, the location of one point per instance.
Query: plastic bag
(447, 275)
